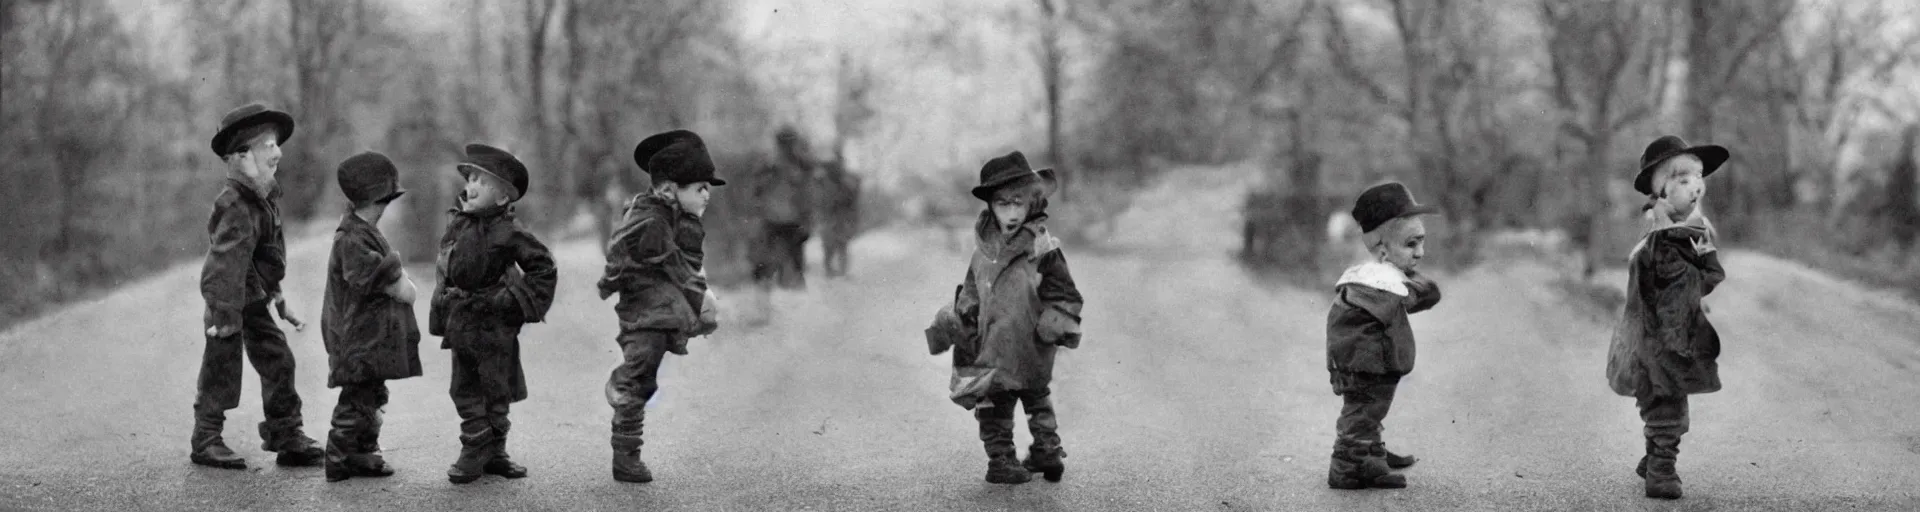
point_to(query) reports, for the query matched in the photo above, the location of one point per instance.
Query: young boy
(655, 263)
(368, 324)
(494, 277)
(1369, 342)
(1664, 348)
(1017, 304)
(240, 281)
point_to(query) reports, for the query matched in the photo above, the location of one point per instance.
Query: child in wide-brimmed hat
(1369, 342)
(1663, 348)
(368, 324)
(241, 284)
(1017, 305)
(655, 262)
(495, 276)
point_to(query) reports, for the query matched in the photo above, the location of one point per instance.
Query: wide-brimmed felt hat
(248, 116)
(1010, 169)
(1385, 202)
(678, 156)
(498, 163)
(369, 178)
(1667, 147)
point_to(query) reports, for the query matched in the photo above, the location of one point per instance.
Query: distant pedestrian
(368, 325)
(782, 189)
(1369, 341)
(240, 282)
(494, 277)
(1664, 348)
(1016, 307)
(656, 263)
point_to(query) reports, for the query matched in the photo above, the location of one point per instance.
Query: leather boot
(627, 466)
(294, 447)
(1641, 469)
(1005, 469)
(209, 449)
(1394, 461)
(216, 454)
(1046, 461)
(1662, 480)
(502, 464)
(475, 450)
(1354, 466)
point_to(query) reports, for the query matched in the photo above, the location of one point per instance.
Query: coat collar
(1378, 275)
(999, 247)
(486, 213)
(1696, 226)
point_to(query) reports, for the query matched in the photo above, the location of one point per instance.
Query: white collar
(1378, 275)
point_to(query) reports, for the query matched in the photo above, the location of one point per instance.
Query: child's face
(1010, 210)
(693, 198)
(1682, 186)
(1404, 244)
(261, 160)
(373, 212)
(482, 191)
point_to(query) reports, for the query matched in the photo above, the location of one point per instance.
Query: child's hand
(403, 289)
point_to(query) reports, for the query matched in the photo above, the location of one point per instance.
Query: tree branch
(1760, 35)
(1341, 56)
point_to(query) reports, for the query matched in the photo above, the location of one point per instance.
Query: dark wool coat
(1017, 304)
(494, 277)
(248, 254)
(654, 262)
(1664, 346)
(1367, 327)
(369, 335)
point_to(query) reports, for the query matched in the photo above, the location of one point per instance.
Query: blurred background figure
(783, 189)
(839, 219)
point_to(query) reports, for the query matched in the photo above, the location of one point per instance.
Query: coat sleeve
(966, 301)
(1710, 272)
(364, 268)
(1423, 294)
(437, 308)
(650, 243)
(1673, 294)
(1060, 321)
(223, 278)
(532, 293)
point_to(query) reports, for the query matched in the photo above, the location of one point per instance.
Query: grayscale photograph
(906, 255)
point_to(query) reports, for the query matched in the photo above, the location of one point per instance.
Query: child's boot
(1641, 469)
(996, 432)
(294, 447)
(502, 464)
(1663, 480)
(1006, 469)
(209, 449)
(1046, 461)
(627, 466)
(475, 450)
(1355, 467)
(1045, 454)
(1394, 461)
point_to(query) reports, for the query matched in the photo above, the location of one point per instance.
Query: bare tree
(1593, 49)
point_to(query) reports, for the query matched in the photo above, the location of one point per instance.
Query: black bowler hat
(1385, 202)
(498, 163)
(248, 116)
(1007, 170)
(678, 156)
(1670, 146)
(369, 178)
